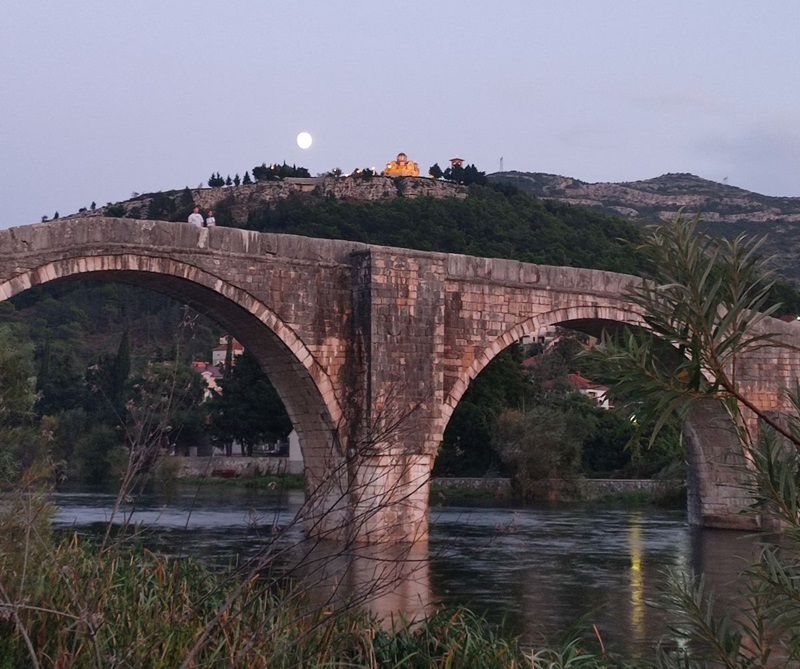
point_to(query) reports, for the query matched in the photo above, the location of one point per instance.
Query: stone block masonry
(371, 348)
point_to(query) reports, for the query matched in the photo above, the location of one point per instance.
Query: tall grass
(70, 603)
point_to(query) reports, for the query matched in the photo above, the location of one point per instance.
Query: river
(535, 570)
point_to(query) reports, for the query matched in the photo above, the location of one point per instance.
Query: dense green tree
(120, 370)
(248, 409)
(92, 453)
(435, 172)
(59, 381)
(20, 442)
(17, 380)
(246, 179)
(165, 408)
(273, 172)
(544, 442)
(216, 181)
(237, 179)
(466, 448)
(488, 223)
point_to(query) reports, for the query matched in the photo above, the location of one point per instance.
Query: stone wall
(567, 490)
(222, 466)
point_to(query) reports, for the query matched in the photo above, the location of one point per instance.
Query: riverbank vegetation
(68, 603)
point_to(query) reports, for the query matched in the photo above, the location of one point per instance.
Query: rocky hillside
(233, 204)
(722, 209)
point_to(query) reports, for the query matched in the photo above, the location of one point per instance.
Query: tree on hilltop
(216, 180)
(435, 172)
(274, 172)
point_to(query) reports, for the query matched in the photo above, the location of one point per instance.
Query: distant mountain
(723, 209)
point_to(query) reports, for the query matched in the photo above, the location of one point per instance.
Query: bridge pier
(372, 499)
(719, 479)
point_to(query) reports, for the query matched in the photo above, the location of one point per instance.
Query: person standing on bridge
(196, 218)
(211, 222)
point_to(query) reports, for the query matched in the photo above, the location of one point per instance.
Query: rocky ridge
(238, 201)
(722, 209)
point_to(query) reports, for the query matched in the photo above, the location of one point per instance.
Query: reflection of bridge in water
(371, 348)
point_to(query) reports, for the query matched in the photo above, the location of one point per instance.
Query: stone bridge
(371, 348)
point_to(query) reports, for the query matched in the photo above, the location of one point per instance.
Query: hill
(421, 213)
(233, 205)
(723, 209)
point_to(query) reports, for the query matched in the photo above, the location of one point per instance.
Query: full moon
(304, 140)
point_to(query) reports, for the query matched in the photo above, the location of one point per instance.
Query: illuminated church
(402, 167)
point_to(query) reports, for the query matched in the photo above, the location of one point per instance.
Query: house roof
(224, 347)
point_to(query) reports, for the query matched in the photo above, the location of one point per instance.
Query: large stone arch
(304, 387)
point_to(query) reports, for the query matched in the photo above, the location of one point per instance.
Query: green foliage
(17, 381)
(545, 442)
(93, 453)
(468, 175)
(488, 223)
(92, 340)
(275, 172)
(163, 207)
(703, 301)
(248, 409)
(216, 181)
(466, 447)
(165, 407)
(120, 370)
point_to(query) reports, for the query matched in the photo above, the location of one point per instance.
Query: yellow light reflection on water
(636, 576)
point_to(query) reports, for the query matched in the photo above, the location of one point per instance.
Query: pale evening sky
(100, 99)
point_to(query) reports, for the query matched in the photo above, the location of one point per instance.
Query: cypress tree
(120, 370)
(226, 372)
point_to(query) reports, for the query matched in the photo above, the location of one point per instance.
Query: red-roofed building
(584, 386)
(219, 353)
(594, 391)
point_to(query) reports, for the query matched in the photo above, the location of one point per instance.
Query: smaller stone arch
(575, 314)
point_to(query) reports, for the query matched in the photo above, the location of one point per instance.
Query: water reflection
(637, 575)
(535, 571)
